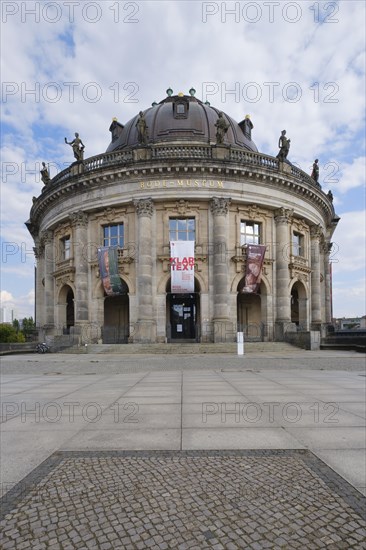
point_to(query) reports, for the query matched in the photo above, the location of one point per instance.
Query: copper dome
(181, 118)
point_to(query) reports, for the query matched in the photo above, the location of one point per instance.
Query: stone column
(39, 283)
(328, 287)
(145, 329)
(38, 250)
(223, 326)
(283, 323)
(315, 236)
(49, 282)
(79, 222)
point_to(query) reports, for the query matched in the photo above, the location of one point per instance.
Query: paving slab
(136, 439)
(238, 438)
(325, 437)
(350, 463)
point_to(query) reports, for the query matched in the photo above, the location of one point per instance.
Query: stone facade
(142, 189)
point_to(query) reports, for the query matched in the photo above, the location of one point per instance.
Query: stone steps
(186, 349)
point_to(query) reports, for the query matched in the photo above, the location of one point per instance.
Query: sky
(71, 67)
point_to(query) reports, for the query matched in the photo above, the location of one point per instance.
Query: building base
(281, 328)
(144, 332)
(224, 331)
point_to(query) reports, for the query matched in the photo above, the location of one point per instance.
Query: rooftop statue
(222, 127)
(45, 176)
(248, 126)
(142, 128)
(284, 145)
(315, 172)
(77, 147)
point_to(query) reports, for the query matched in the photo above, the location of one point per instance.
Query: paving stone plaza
(224, 452)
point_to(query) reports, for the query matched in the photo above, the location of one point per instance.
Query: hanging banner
(255, 257)
(108, 268)
(182, 266)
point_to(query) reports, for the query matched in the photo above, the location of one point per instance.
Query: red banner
(182, 266)
(255, 258)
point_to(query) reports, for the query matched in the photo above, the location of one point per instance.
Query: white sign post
(240, 339)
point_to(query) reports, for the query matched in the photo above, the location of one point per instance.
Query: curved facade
(180, 180)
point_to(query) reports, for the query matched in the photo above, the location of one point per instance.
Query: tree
(28, 326)
(8, 334)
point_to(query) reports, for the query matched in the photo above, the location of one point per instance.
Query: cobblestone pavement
(195, 499)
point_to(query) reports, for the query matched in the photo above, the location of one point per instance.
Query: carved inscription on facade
(207, 184)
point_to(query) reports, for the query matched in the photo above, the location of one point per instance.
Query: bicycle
(42, 347)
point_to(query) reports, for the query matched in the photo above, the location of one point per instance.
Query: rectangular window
(297, 244)
(113, 235)
(182, 229)
(249, 233)
(65, 248)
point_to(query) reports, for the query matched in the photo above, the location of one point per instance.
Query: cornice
(255, 167)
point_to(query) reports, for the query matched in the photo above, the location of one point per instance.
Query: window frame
(107, 239)
(177, 230)
(177, 104)
(298, 248)
(65, 248)
(244, 235)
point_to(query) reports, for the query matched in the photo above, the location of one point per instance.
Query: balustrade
(161, 152)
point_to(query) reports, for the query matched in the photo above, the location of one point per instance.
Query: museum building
(181, 171)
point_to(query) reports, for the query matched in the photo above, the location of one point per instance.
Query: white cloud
(349, 298)
(352, 175)
(6, 297)
(23, 305)
(171, 46)
(348, 254)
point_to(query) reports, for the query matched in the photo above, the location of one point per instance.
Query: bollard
(240, 340)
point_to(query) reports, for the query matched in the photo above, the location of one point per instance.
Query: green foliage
(28, 325)
(8, 334)
(27, 330)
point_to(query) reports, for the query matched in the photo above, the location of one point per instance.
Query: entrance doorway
(67, 308)
(116, 328)
(183, 316)
(70, 310)
(299, 306)
(249, 314)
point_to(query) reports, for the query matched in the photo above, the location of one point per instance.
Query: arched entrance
(183, 315)
(67, 308)
(249, 313)
(116, 328)
(299, 305)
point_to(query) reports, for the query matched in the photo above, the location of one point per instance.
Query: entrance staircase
(187, 348)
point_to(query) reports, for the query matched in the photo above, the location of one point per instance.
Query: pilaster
(223, 326)
(49, 281)
(283, 218)
(79, 222)
(328, 284)
(315, 236)
(145, 329)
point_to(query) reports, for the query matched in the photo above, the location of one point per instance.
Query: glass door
(183, 316)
